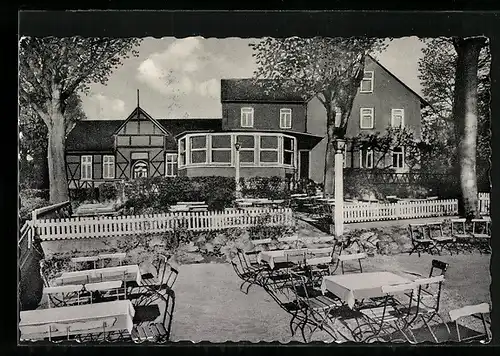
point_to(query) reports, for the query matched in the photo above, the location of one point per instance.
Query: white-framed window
(288, 151)
(366, 118)
(108, 167)
(398, 158)
(398, 118)
(140, 169)
(246, 117)
(221, 149)
(182, 152)
(366, 158)
(247, 149)
(269, 149)
(367, 82)
(86, 167)
(285, 118)
(171, 164)
(198, 149)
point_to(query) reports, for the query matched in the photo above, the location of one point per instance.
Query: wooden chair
(319, 262)
(420, 239)
(478, 311)
(442, 241)
(352, 257)
(459, 232)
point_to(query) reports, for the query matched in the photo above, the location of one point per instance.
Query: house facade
(274, 132)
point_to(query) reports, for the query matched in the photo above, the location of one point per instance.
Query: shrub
(266, 187)
(108, 191)
(84, 195)
(29, 200)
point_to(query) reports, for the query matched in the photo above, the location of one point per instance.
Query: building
(279, 133)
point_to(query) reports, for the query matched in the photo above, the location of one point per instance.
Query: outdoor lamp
(237, 145)
(339, 145)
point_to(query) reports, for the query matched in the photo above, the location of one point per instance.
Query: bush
(158, 193)
(266, 187)
(84, 195)
(29, 200)
(107, 192)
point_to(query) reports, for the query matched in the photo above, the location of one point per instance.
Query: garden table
(358, 286)
(115, 316)
(278, 256)
(127, 273)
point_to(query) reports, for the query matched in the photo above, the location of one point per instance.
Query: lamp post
(237, 146)
(339, 187)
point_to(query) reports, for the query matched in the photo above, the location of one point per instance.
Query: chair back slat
(469, 310)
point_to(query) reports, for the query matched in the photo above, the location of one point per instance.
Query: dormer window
(246, 117)
(286, 118)
(367, 82)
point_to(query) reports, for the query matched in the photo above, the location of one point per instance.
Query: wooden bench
(152, 331)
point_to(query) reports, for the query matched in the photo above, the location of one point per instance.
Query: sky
(181, 77)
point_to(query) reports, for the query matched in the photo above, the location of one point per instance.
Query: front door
(140, 169)
(304, 164)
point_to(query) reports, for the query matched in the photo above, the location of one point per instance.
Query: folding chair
(428, 302)
(391, 315)
(481, 234)
(459, 232)
(442, 241)
(352, 257)
(319, 262)
(249, 274)
(315, 306)
(478, 311)
(420, 239)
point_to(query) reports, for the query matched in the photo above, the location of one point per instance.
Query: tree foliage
(52, 71)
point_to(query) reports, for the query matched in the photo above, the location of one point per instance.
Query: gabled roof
(98, 135)
(422, 100)
(139, 114)
(255, 90)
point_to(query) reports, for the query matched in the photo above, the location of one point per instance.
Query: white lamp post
(237, 146)
(339, 187)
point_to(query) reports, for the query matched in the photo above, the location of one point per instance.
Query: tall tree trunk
(465, 114)
(55, 153)
(329, 177)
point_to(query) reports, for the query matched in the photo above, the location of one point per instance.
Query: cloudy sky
(181, 77)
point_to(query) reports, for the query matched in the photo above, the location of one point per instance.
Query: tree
(51, 71)
(329, 69)
(465, 114)
(33, 165)
(438, 70)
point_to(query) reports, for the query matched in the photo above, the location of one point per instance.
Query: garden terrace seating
(459, 232)
(478, 311)
(352, 257)
(246, 271)
(481, 233)
(442, 241)
(319, 262)
(66, 295)
(119, 256)
(427, 303)
(389, 315)
(420, 239)
(315, 306)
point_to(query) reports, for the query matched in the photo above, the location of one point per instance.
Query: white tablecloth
(132, 273)
(81, 319)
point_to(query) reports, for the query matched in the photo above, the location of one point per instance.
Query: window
(140, 169)
(246, 117)
(182, 152)
(247, 149)
(86, 167)
(367, 82)
(398, 157)
(286, 118)
(366, 158)
(397, 118)
(269, 149)
(198, 149)
(171, 165)
(288, 151)
(108, 167)
(221, 149)
(366, 118)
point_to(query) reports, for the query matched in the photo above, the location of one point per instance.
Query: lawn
(210, 307)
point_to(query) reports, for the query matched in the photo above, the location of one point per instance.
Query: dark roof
(97, 135)
(92, 135)
(248, 90)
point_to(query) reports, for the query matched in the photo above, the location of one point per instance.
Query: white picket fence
(109, 226)
(484, 203)
(358, 212)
